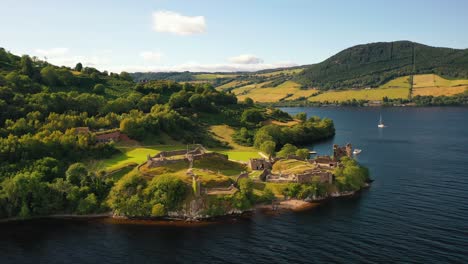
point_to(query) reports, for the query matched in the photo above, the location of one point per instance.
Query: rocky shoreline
(295, 205)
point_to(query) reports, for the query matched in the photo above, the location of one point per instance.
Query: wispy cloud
(151, 55)
(52, 52)
(175, 23)
(245, 59)
(63, 56)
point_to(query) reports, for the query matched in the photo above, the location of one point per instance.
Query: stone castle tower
(339, 152)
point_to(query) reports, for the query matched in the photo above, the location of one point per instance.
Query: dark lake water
(415, 212)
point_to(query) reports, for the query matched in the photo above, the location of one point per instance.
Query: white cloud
(172, 22)
(63, 57)
(151, 55)
(245, 59)
(52, 52)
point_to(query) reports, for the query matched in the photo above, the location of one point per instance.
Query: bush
(158, 210)
(99, 89)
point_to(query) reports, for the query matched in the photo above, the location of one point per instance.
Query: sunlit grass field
(362, 94)
(238, 152)
(130, 155)
(288, 90)
(431, 84)
(139, 154)
(212, 76)
(230, 85)
(286, 72)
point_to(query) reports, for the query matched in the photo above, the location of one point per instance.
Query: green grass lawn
(241, 155)
(130, 155)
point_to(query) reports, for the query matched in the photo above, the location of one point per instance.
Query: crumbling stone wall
(259, 164)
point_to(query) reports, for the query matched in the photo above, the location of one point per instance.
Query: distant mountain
(376, 63)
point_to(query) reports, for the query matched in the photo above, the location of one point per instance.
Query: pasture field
(273, 94)
(400, 82)
(431, 80)
(285, 72)
(434, 85)
(238, 152)
(230, 85)
(362, 94)
(439, 91)
(212, 76)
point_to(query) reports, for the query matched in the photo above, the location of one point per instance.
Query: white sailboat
(381, 124)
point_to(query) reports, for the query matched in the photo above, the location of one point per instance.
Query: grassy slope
(431, 84)
(137, 153)
(212, 172)
(238, 152)
(394, 89)
(128, 155)
(212, 76)
(288, 90)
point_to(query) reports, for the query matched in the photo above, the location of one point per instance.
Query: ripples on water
(415, 212)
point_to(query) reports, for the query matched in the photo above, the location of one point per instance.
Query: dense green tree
(99, 88)
(27, 67)
(252, 115)
(79, 67)
(301, 116)
(49, 76)
(88, 204)
(286, 150)
(167, 190)
(76, 173)
(248, 101)
(303, 153)
(268, 147)
(125, 76)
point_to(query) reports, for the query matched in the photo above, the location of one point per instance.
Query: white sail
(380, 122)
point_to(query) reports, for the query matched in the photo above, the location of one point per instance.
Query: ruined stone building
(342, 151)
(259, 164)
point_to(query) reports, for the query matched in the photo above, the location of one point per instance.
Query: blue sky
(215, 35)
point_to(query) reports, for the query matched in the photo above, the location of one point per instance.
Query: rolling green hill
(374, 64)
(364, 72)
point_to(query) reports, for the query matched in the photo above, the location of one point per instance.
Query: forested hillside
(374, 64)
(44, 108)
(358, 72)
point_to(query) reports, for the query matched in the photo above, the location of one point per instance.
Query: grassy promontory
(70, 137)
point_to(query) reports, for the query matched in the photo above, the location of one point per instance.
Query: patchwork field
(285, 72)
(363, 94)
(431, 84)
(398, 88)
(212, 76)
(230, 85)
(288, 90)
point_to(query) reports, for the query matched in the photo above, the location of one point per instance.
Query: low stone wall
(210, 155)
(163, 162)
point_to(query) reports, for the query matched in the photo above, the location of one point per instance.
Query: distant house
(107, 137)
(82, 130)
(374, 103)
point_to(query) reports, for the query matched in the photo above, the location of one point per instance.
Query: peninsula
(78, 141)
